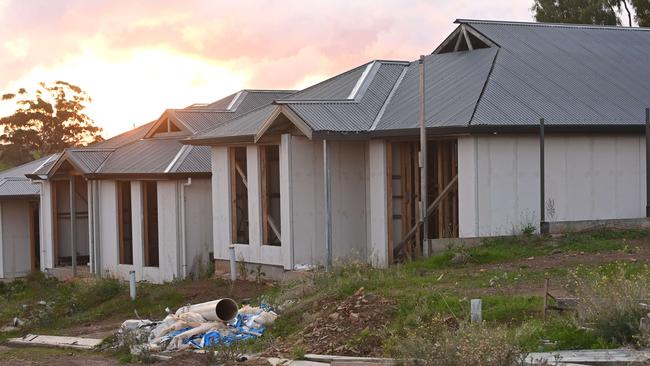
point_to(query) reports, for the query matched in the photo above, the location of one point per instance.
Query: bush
(480, 345)
(609, 302)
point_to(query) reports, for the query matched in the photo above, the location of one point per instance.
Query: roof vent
(464, 38)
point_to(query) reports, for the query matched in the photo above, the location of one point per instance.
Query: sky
(137, 58)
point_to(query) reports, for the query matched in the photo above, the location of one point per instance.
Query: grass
(437, 287)
(422, 292)
(511, 248)
(50, 306)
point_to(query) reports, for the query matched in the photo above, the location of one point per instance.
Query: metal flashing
(362, 80)
(388, 99)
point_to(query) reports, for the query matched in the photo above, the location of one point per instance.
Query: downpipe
(184, 265)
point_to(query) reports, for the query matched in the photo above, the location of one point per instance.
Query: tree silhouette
(47, 120)
(600, 12)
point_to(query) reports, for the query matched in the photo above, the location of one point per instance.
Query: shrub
(480, 345)
(609, 302)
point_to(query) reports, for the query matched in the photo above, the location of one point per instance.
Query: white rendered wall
(378, 205)
(349, 193)
(198, 220)
(168, 229)
(108, 230)
(46, 222)
(302, 206)
(254, 251)
(15, 238)
(137, 227)
(587, 178)
(168, 232)
(222, 234)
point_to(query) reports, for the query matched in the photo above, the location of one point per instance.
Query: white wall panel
(587, 178)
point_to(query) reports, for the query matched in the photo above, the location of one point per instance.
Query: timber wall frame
(403, 194)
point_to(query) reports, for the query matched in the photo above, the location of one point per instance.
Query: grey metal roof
(245, 125)
(337, 87)
(125, 138)
(133, 154)
(453, 85)
(147, 156)
(567, 74)
(44, 167)
(14, 183)
(198, 160)
(89, 159)
(354, 115)
(201, 119)
(18, 187)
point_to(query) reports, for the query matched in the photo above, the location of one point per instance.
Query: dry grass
(610, 302)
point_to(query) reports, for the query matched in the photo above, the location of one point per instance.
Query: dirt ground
(330, 321)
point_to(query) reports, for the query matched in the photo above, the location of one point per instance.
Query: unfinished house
(347, 183)
(20, 251)
(139, 201)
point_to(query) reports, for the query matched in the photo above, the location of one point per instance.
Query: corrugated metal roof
(352, 116)
(222, 103)
(18, 187)
(246, 125)
(44, 166)
(130, 153)
(125, 138)
(198, 160)
(206, 119)
(453, 85)
(13, 182)
(146, 156)
(337, 87)
(567, 74)
(27, 168)
(90, 159)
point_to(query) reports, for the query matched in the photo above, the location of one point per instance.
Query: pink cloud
(279, 43)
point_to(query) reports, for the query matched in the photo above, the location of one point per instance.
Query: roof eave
(148, 176)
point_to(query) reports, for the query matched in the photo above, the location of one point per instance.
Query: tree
(601, 12)
(48, 120)
(575, 11)
(642, 8)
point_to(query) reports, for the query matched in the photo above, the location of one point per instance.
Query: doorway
(405, 235)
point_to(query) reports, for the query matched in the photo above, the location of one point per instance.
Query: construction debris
(349, 359)
(197, 326)
(56, 341)
(607, 356)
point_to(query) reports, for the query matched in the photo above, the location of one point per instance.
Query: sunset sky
(137, 58)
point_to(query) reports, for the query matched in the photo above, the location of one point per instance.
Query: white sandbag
(266, 318)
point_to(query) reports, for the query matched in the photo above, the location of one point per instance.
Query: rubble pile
(351, 327)
(196, 327)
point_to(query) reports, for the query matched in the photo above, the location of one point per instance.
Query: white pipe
(132, 284)
(223, 309)
(233, 264)
(184, 230)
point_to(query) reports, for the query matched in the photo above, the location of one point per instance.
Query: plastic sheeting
(190, 330)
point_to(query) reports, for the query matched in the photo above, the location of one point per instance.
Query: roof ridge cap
(551, 25)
